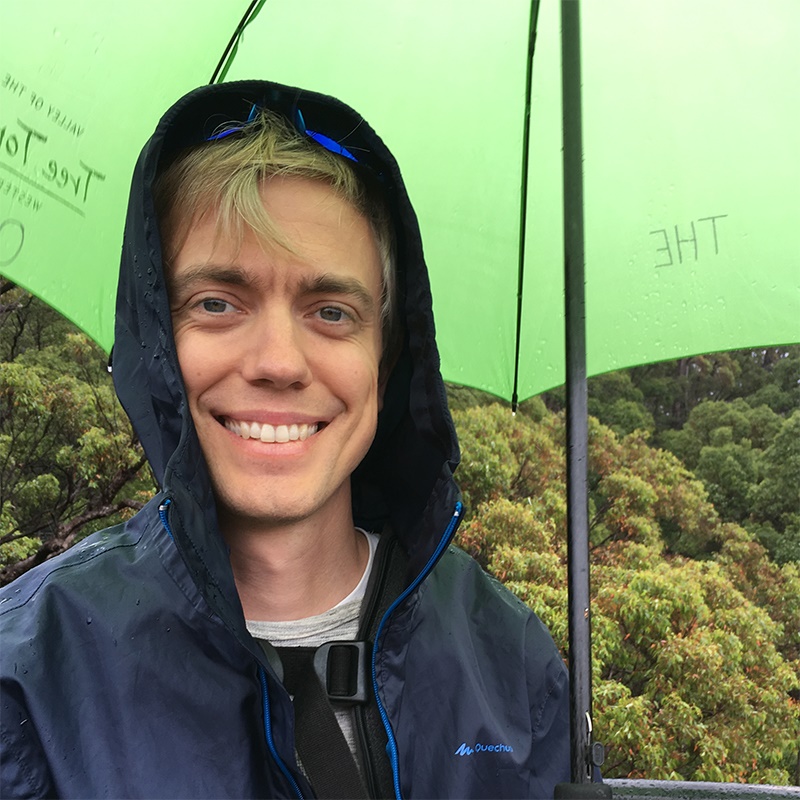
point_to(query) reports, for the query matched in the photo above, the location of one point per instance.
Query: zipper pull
(162, 513)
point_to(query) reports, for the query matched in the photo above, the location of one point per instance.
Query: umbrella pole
(581, 745)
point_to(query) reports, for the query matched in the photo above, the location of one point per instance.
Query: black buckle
(342, 668)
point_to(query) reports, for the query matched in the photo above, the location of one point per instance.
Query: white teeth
(267, 433)
(272, 433)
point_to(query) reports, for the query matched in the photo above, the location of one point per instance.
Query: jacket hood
(406, 477)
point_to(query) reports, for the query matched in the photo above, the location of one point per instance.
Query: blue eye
(332, 314)
(215, 306)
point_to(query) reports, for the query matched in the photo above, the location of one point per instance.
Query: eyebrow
(206, 272)
(235, 276)
(334, 284)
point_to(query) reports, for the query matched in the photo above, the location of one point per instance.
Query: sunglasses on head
(300, 124)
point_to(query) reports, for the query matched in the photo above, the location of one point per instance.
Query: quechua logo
(465, 750)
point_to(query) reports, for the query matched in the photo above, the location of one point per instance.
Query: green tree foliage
(69, 462)
(720, 415)
(659, 397)
(748, 457)
(764, 376)
(776, 498)
(696, 633)
(619, 403)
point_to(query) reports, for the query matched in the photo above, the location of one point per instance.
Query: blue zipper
(392, 743)
(268, 733)
(162, 513)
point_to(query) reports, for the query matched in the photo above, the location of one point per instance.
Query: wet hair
(226, 174)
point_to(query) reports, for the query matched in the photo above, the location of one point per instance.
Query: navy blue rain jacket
(127, 670)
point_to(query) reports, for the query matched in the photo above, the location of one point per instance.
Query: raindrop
(88, 620)
(139, 600)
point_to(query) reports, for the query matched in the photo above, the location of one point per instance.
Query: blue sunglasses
(299, 123)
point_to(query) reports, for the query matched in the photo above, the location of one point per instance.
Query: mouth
(272, 433)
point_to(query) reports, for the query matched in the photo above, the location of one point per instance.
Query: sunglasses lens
(300, 124)
(330, 144)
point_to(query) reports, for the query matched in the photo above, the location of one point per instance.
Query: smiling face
(279, 353)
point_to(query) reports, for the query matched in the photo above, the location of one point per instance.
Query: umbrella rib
(222, 67)
(523, 206)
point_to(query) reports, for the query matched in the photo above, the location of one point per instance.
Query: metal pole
(577, 424)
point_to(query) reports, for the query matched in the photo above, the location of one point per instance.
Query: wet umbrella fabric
(689, 114)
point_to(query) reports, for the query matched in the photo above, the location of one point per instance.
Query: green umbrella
(690, 110)
(690, 119)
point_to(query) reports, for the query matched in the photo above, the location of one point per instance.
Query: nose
(276, 350)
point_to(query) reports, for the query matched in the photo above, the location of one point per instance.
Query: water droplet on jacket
(88, 620)
(138, 601)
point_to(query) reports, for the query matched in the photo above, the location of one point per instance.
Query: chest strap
(315, 677)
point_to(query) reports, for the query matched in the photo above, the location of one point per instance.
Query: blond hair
(226, 174)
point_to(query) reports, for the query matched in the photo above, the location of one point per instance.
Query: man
(275, 352)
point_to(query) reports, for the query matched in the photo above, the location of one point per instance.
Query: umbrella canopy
(690, 169)
(81, 88)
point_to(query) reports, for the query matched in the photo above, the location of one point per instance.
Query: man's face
(279, 353)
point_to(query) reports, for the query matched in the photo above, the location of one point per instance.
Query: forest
(694, 478)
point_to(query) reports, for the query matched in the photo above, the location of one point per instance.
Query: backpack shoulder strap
(324, 754)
